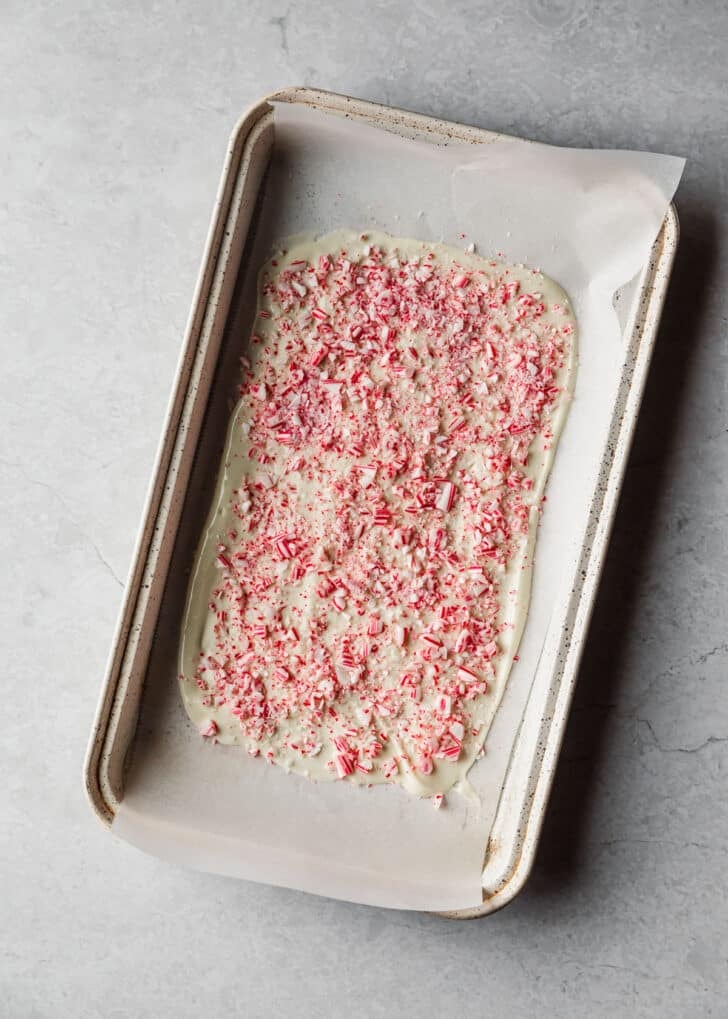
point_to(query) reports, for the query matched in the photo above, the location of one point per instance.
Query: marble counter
(114, 120)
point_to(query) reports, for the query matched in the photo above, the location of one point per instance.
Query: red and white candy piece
(446, 498)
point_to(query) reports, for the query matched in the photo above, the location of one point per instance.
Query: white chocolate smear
(362, 584)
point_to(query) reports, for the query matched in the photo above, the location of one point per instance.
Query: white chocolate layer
(297, 606)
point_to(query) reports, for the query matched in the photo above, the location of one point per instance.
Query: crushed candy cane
(391, 442)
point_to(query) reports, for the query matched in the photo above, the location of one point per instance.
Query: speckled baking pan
(512, 844)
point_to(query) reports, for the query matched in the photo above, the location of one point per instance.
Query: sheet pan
(180, 491)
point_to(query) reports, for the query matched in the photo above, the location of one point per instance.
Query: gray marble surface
(113, 122)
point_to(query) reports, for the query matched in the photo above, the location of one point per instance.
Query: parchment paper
(587, 219)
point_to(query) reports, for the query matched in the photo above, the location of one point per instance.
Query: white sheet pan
(192, 438)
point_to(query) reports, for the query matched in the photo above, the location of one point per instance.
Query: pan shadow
(563, 847)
